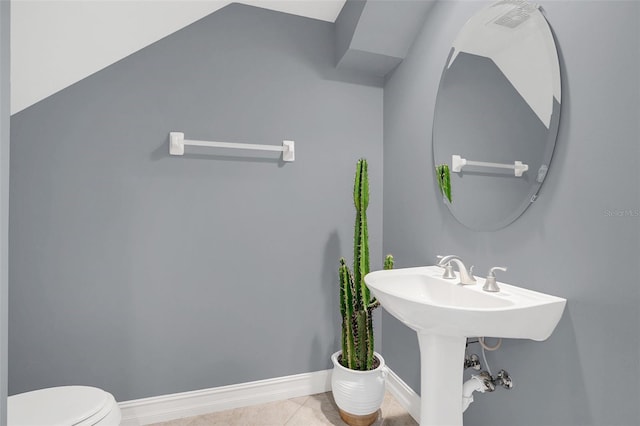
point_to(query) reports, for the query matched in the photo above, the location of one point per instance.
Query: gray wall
(146, 274)
(570, 243)
(373, 36)
(4, 197)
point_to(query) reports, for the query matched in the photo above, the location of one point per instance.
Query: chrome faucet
(466, 276)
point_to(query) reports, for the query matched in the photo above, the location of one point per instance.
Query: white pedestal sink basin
(444, 314)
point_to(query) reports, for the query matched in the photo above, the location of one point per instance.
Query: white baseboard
(186, 404)
(406, 396)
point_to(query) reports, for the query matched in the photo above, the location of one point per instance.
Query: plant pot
(358, 394)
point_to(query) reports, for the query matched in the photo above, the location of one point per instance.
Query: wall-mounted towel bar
(177, 143)
(457, 163)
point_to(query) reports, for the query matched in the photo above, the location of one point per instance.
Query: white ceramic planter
(359, 393)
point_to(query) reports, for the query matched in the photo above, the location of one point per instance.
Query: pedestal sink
(444, 314)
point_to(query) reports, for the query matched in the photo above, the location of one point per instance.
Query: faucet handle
(490, 283)
(497, 268)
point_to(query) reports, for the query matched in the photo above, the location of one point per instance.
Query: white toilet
(63, 406)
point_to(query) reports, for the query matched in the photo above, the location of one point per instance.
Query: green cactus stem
(444, 180)
(346, 310)
(356, 305)
(361, 234)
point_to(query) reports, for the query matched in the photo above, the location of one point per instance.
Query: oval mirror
(497, 113)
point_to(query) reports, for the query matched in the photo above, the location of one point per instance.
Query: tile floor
(313, 410)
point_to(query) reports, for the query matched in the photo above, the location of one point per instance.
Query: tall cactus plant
(356, 304)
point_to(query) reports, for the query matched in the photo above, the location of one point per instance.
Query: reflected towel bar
(177, 143)
(457, 163)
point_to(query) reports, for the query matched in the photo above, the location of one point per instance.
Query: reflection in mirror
(497, 113)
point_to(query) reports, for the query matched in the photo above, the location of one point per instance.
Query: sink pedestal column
(441, 363)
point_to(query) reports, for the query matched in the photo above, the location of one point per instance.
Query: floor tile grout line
(295, 411)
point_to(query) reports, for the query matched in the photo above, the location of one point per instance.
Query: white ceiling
(325, 10)
(55, 43)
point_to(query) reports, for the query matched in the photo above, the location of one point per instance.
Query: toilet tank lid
(64, 405)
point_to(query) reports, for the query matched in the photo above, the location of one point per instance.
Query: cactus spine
(356, 305)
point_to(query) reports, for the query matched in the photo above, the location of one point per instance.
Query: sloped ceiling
(374, 36)
(55, 43)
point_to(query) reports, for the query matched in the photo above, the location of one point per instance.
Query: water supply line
(489, 348)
